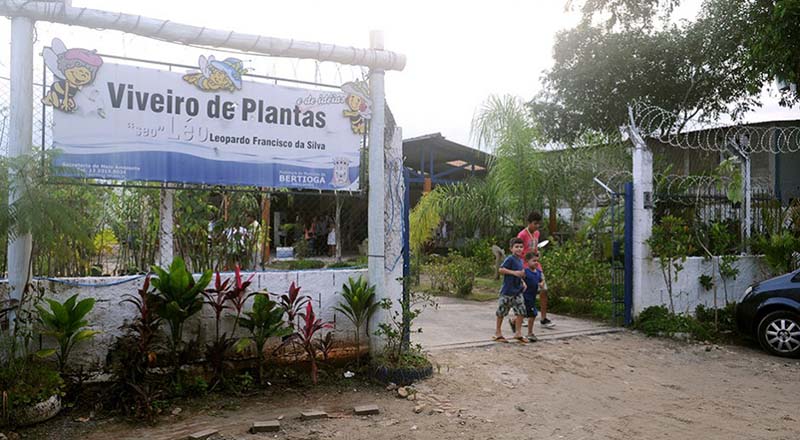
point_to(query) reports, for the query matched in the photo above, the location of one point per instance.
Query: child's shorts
(508, 302)
(530, 306)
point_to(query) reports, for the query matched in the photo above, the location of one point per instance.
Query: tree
(597, 73)
(505, 125)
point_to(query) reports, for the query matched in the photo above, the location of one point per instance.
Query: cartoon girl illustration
(217, 75)
(359, 106)
(75, 69)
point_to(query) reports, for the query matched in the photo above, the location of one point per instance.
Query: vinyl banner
(125, 122)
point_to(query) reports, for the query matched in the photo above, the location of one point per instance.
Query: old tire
(402, 375)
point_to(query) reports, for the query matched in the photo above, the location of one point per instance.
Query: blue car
(770, 312)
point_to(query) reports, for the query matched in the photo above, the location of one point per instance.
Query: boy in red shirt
(530, 243)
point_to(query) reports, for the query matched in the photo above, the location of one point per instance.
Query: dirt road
(615, 386)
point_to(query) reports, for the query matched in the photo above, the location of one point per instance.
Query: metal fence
(704, 200)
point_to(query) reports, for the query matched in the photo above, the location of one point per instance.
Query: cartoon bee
(75, 69)
(217, 75)
(359, 106)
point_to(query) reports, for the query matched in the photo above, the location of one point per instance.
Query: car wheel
(779, 334)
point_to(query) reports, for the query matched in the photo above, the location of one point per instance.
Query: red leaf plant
(238, 295)
(306, 337)
(145, 325)
(293, 303)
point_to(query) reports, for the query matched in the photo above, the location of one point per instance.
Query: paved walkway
(459, 323)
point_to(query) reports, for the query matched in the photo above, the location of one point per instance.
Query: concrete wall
(687, 291)
(323, 286)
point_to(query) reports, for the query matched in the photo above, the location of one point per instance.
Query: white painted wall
(323, 286)
(687, 291)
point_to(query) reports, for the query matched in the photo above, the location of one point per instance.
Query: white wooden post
(19, 144)
(642, 214)
(375, 212)
(165, 228)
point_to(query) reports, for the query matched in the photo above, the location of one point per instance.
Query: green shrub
(353, 262)
(454, 274)
(301, 249)
(306, 264)
(461, 274)
(571, 270)
(480, 251)
(658, 321)
(779, 250)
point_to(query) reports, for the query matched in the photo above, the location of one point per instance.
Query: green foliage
(460, 272)
(671, 242)
(474, 206)
(396, 332)
(264, 321)
(178, 297)
(778, 250)
(707, 281)
(708, 324)
(25, 383)
(301, 249)
(358, 306)
(423, 219)
(505, 125)
(658, 320)
(453, 274)
(575, 276)
(681, 66)
(480, 252)
(356, 262)
(65, 322)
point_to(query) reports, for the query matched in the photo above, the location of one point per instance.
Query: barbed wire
(692, 133)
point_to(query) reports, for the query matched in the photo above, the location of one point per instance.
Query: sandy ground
(613, 386)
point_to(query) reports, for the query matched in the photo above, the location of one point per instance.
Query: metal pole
(20, 139)
(377, 194)
(166, 223)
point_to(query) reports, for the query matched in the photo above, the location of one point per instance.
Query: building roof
(446, 156)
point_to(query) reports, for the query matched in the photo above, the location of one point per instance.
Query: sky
(458, 52)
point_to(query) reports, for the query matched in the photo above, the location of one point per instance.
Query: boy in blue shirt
(511, 291)
(533, 281)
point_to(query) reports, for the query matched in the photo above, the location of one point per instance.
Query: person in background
(332, 241)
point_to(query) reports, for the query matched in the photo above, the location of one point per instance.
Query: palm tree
(505, 125)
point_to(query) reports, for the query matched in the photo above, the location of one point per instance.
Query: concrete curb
(541, 336)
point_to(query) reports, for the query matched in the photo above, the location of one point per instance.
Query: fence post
(165, 227)
(375, 210)
(642, 212)
(19, 144)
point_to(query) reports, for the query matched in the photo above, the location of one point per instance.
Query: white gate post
(375, 231)
(19, 144)
(642, 212)
(165, 228)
